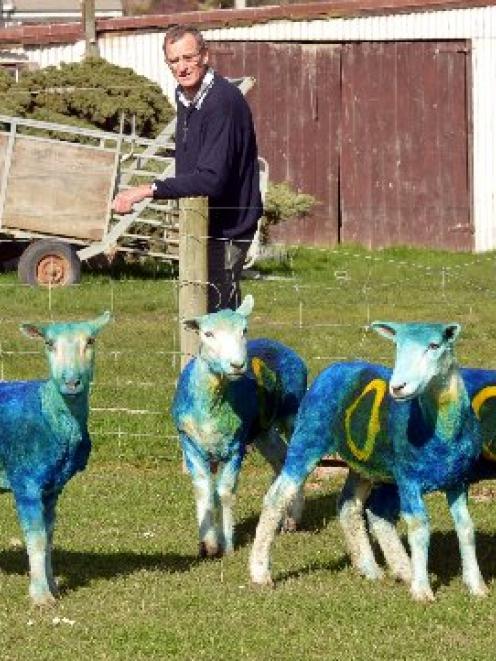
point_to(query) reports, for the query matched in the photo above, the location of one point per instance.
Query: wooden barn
(384, 110)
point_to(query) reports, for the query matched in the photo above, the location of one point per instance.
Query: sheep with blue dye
(233, 393)
(44, 438)
(383, 505)
(420, 433)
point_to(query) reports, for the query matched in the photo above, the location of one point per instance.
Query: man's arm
(214, 163)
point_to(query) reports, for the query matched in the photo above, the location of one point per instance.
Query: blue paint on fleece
(417, 457)
(44, 438)
(32, 412)
(248, 405)
(384, 501)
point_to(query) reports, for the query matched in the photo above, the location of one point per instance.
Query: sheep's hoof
(44, 600)
(263, 584)
(261, 577)
(480, 590)
(422, 594)
(208, 551)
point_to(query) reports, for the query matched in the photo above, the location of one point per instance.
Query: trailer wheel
(47, 262)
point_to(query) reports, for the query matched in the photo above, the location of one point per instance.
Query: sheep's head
(70, 351)
(424, 351)
(223, 339)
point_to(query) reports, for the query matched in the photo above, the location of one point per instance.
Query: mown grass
(126, 538)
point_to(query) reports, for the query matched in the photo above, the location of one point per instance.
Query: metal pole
(193, 273)
(89, 26)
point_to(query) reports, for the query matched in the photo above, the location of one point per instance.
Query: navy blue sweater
(216, 156)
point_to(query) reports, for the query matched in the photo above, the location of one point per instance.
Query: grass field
(126, 538)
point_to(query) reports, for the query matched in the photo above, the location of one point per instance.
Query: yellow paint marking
(483, 395)
(257, 366)
(373, 427)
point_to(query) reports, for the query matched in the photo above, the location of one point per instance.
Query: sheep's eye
(50, 345)
(209, 334)
(433, 346)
(90, 341)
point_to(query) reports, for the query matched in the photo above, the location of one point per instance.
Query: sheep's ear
(451, 332)
(384, 328)
(246, 306)
(33, 331)
(101, 321)
(192, 324)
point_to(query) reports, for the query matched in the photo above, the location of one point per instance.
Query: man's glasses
(189, 58)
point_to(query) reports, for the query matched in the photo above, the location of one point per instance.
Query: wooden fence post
(89, 27)
(193, 273)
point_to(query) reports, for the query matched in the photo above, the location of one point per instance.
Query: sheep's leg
(201, 475)
(273, 448)
(382, 510)
(50, 503)
(31, 517)
(308, 445)
(472, 577)
(415, 514)
(276, 502)
(295, 509)
(350, 510)
(226, 494)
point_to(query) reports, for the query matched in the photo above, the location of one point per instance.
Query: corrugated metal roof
(309, 11)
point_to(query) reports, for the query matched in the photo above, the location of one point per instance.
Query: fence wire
(318, 301)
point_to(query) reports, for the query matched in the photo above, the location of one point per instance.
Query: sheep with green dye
(44, 438)
(420, 433)
(233, 393)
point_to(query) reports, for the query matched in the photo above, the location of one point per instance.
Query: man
(216, 156)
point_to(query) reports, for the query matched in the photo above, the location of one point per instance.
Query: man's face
(187, 63)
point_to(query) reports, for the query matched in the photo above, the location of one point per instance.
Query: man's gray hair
(177, 32)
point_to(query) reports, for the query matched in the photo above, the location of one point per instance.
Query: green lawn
(126, 537)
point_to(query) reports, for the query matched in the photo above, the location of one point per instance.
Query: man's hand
(123, 201)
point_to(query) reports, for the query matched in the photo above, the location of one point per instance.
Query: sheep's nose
(396, 390)
(73, 384)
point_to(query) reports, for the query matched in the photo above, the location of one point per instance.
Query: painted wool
(233, 393)
(383, 505)
(44, 439)
(420, 433)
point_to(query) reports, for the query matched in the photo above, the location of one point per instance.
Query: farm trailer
(56, 187)
(57, 183)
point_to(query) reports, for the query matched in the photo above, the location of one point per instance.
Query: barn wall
(376, 131)
(405, 167)
(142, 51)
(296, 107)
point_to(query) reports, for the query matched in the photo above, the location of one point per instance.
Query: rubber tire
(46, 262)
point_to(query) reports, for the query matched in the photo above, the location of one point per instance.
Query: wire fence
(318, 301)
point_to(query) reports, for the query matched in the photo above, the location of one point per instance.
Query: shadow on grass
(317, 512)
(444, 553)
(310, 568)
(444, 556)
(78, 569)
(444, 560)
